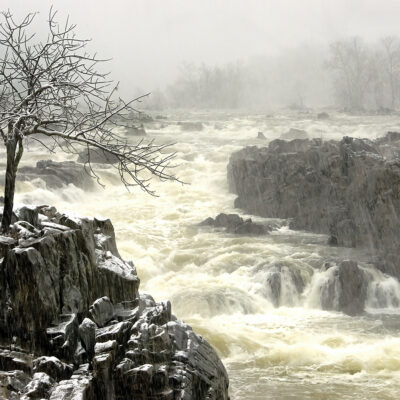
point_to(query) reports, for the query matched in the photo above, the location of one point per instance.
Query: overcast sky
(149, 39)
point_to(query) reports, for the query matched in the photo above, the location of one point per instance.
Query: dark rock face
(233, 223)
(57, 174)
(346, 288)
(73, 325)
(345, 189)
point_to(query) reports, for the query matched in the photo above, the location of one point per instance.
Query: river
(216, 281)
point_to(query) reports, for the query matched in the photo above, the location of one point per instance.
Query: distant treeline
(350, 74)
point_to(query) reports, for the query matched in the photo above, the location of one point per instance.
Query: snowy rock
(102, 311)
(137, 349)
(57, 174)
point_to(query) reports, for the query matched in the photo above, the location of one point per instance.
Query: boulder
(102, 311)
(345, 288)
(233, 223)
(347, 190)
(93, 155)
(70, 271)
(57, 174)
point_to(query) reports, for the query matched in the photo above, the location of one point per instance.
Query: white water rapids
(216, 281)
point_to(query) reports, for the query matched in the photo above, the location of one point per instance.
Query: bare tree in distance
(52, 90)
(350, 60)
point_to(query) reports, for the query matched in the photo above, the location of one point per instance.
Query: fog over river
(217, 281)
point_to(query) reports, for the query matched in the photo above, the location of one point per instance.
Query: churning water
(217, 282)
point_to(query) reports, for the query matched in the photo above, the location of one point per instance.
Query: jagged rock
(294, 133)
(53, 367)
(102, 311)
(12, 383)
(140, 350)
(15, 360)
(345, 189)
(118, 332)
(233, 223)
(39, 387)
(93, 155)
(346, 288)
(191, 126)
(87, 334)
(63, 336)
(57, 174)
(79, 386)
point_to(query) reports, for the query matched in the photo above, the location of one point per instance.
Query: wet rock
(102, 311)
(282, 285)
(139, 349)
(57, 174)
(79, 386)
(63, 336)
(97, 156)
(233, 223)
(345, 189)
(39, 387)
(15, 360)
(12, 383)
(53, 367)
(87, 335)
(346, 288)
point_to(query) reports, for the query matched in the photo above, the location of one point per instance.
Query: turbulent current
(216, 281)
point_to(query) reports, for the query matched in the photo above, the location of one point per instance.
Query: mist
(218, 217)
(282, 45)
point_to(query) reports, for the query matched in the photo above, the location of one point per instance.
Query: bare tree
(52, 91)
(350, 60)
(391, 65)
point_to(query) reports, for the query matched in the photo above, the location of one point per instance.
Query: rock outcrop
(73, 325)
(97, 156)
(349, 190)
(234, 223)
(57, 174)
(345, 288)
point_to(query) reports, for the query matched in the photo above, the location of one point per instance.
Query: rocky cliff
(349, 190)
(73, 325)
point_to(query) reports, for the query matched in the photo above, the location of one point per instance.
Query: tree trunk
(9, 189)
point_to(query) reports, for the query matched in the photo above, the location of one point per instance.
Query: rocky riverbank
(348, 189)
(74, 326)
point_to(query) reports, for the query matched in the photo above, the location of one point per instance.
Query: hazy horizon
(149, 40)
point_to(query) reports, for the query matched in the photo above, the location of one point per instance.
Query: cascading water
(256, 299)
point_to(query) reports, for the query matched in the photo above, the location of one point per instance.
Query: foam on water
(218, 282)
